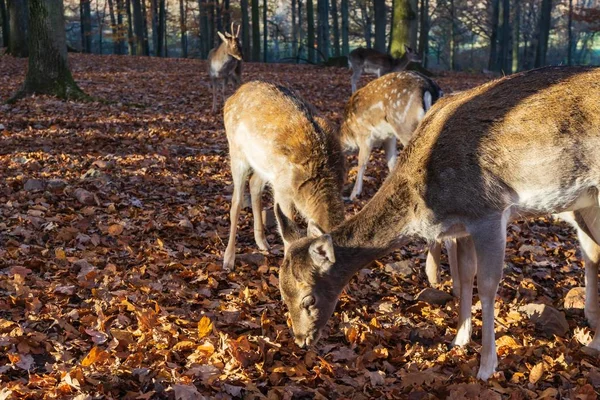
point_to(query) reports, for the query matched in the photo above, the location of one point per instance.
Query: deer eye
(308, 301)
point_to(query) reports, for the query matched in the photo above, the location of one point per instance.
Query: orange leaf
(115, 229)
(536, 373)
(205, 327)
(94, 356)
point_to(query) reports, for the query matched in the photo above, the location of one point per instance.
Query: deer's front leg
(490, 242)
(432, 264)
(466, 268)
(363, 158)
(391, 152)
(213, 84)
(239, 173)
(256, 191)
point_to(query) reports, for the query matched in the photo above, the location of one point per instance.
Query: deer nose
(300, 341)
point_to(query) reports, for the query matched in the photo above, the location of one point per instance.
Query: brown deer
(225, 63)
(385, 111)
(371, 61)
(275, 136)
(526, 144)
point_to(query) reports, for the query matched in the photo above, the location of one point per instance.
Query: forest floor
(113, 219)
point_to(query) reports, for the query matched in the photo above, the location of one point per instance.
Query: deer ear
(321, 252)
(407, 49)
(314, 230)
(221, 36)
(288, 229)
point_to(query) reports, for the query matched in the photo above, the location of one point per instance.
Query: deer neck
(322, 203)
(401, 63)
(377, 229)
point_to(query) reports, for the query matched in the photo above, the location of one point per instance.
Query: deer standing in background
(371, 61)
(386, 110)
(225, 63)
(527, 144)
(275, 137)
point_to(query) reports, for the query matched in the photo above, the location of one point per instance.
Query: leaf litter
(114, 218)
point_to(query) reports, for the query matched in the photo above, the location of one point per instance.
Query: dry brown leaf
(536, 373)
(205, 327)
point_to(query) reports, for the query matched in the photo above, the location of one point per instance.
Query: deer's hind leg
(356, 73)
(587, 222)
(239, 173)
(257, 185)
(364, 151)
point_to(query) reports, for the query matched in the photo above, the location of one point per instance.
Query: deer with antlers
(225, 63)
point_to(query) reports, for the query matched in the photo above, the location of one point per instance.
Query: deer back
(279, 135)
(392, 104)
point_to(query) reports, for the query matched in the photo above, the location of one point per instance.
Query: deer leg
(363, 157)
(452, 249)
(588, 230)
(256, 190)
(490, 242)
(356, 73)
(239, 173)
(391, 152)
(432, 265)
(223, 90)
(213, 84)
(466, 259)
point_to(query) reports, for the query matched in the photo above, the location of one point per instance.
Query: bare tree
(48, 71)
(18, 22)
(336, 28)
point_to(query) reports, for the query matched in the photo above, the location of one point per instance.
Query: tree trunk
(310, 31)
(145, 28)
(544, 33)
(452, 36)
(336, 28)
(364, 10)
(211, 24)
(183, 29)
(345, 41)
(138, 28)
(492, 62)
(85, 15)
(414, 23)
(162, 17)
(154, 22)
(5, 23)
(570, 35)
(516, 35)
(113, 27)
(48, 71)
(130, 41)
(166, 33)
(255, 31)
(380, 24)
(17, 43)
(424, 36)
(505, 38)
(226, 14)
(204, 29)
(300, 32)
(100, 21)
(401, 17)
(245, 28)
(265, 32)
(120, 28)
(323, 28)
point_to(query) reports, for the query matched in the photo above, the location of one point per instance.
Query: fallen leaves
(114, 219)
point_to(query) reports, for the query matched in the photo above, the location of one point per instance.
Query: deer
(383, 112)
(225, 63)
(524, 145)
(371, 61)
(276, 138)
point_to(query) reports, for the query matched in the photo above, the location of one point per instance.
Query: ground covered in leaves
(113, 218)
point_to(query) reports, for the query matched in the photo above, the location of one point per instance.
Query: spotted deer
(276, 137)
(527, 144)
(385, 111)
(371, 61)
(225, 63)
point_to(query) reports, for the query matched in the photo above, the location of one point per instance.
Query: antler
(237, 33)
(232, 26)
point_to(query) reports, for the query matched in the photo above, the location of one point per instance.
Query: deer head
(310, 297)
(232, 43)
(409, 56)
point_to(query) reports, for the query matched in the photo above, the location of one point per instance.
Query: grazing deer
(526, 144)
(371, 61)
(275, 136)
(386, 110)
(225, 63)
